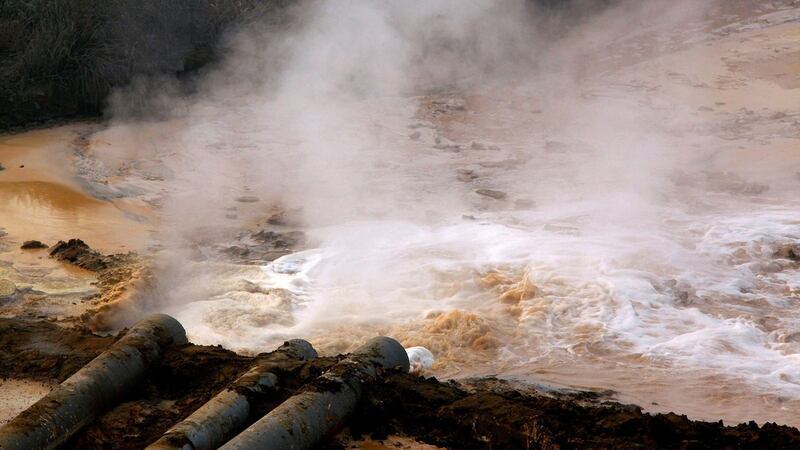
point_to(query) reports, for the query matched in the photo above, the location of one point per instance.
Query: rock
(788, 251)
(76, 252)
(236, 251)
(7, 288)
(466, 175)
(264, 246)
(247, 199)
(455, 148)
(497, 195)
(2, 168)
(280, 240)
(779, 115)
(33, 245)
(285, 218)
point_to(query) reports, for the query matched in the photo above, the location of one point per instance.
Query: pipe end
(386, 352)
(299, 348)
(168, 329)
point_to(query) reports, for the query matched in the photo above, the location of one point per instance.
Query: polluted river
(618, 213)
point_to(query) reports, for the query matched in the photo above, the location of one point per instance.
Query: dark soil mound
(33, 245)
(476, 414)
(490, 413)
(46, 351)
(78, 253)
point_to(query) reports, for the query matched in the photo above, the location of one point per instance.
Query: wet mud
(470, 414)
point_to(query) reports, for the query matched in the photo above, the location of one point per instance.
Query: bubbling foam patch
(516, 295)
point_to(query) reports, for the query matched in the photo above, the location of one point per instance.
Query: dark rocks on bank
(455, 148)
(282, 240)
(265, 246)
(236, 252)
(78, 253)
(497, 195)
(33, 245)
(285, 218)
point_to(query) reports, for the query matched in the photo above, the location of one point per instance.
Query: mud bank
(471, 414)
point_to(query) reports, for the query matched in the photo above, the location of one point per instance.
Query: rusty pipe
(302, 420)
(95, 388)
(227, 413)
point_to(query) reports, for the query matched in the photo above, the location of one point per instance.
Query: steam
(487, 179)
(316, 114)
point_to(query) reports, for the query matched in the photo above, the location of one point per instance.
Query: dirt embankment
(476, 414)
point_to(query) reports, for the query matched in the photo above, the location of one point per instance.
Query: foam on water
(672, 297)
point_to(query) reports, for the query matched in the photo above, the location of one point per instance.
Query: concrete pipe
(227, 413)
(301, 421)
(95, 388)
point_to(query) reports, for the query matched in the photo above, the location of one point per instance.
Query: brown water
(40, 198)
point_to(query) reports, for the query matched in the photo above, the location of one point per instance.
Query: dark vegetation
(61, 58)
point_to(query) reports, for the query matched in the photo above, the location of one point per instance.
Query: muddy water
(612, 230)
(40, 197)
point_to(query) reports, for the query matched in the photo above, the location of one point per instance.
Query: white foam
(420, 359)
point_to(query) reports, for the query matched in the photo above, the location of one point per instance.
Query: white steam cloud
(508, 186)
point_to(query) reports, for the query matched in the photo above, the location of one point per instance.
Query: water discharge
(612, 229)
(605, 208)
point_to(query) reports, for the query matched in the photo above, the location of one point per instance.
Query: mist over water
(502, 185)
